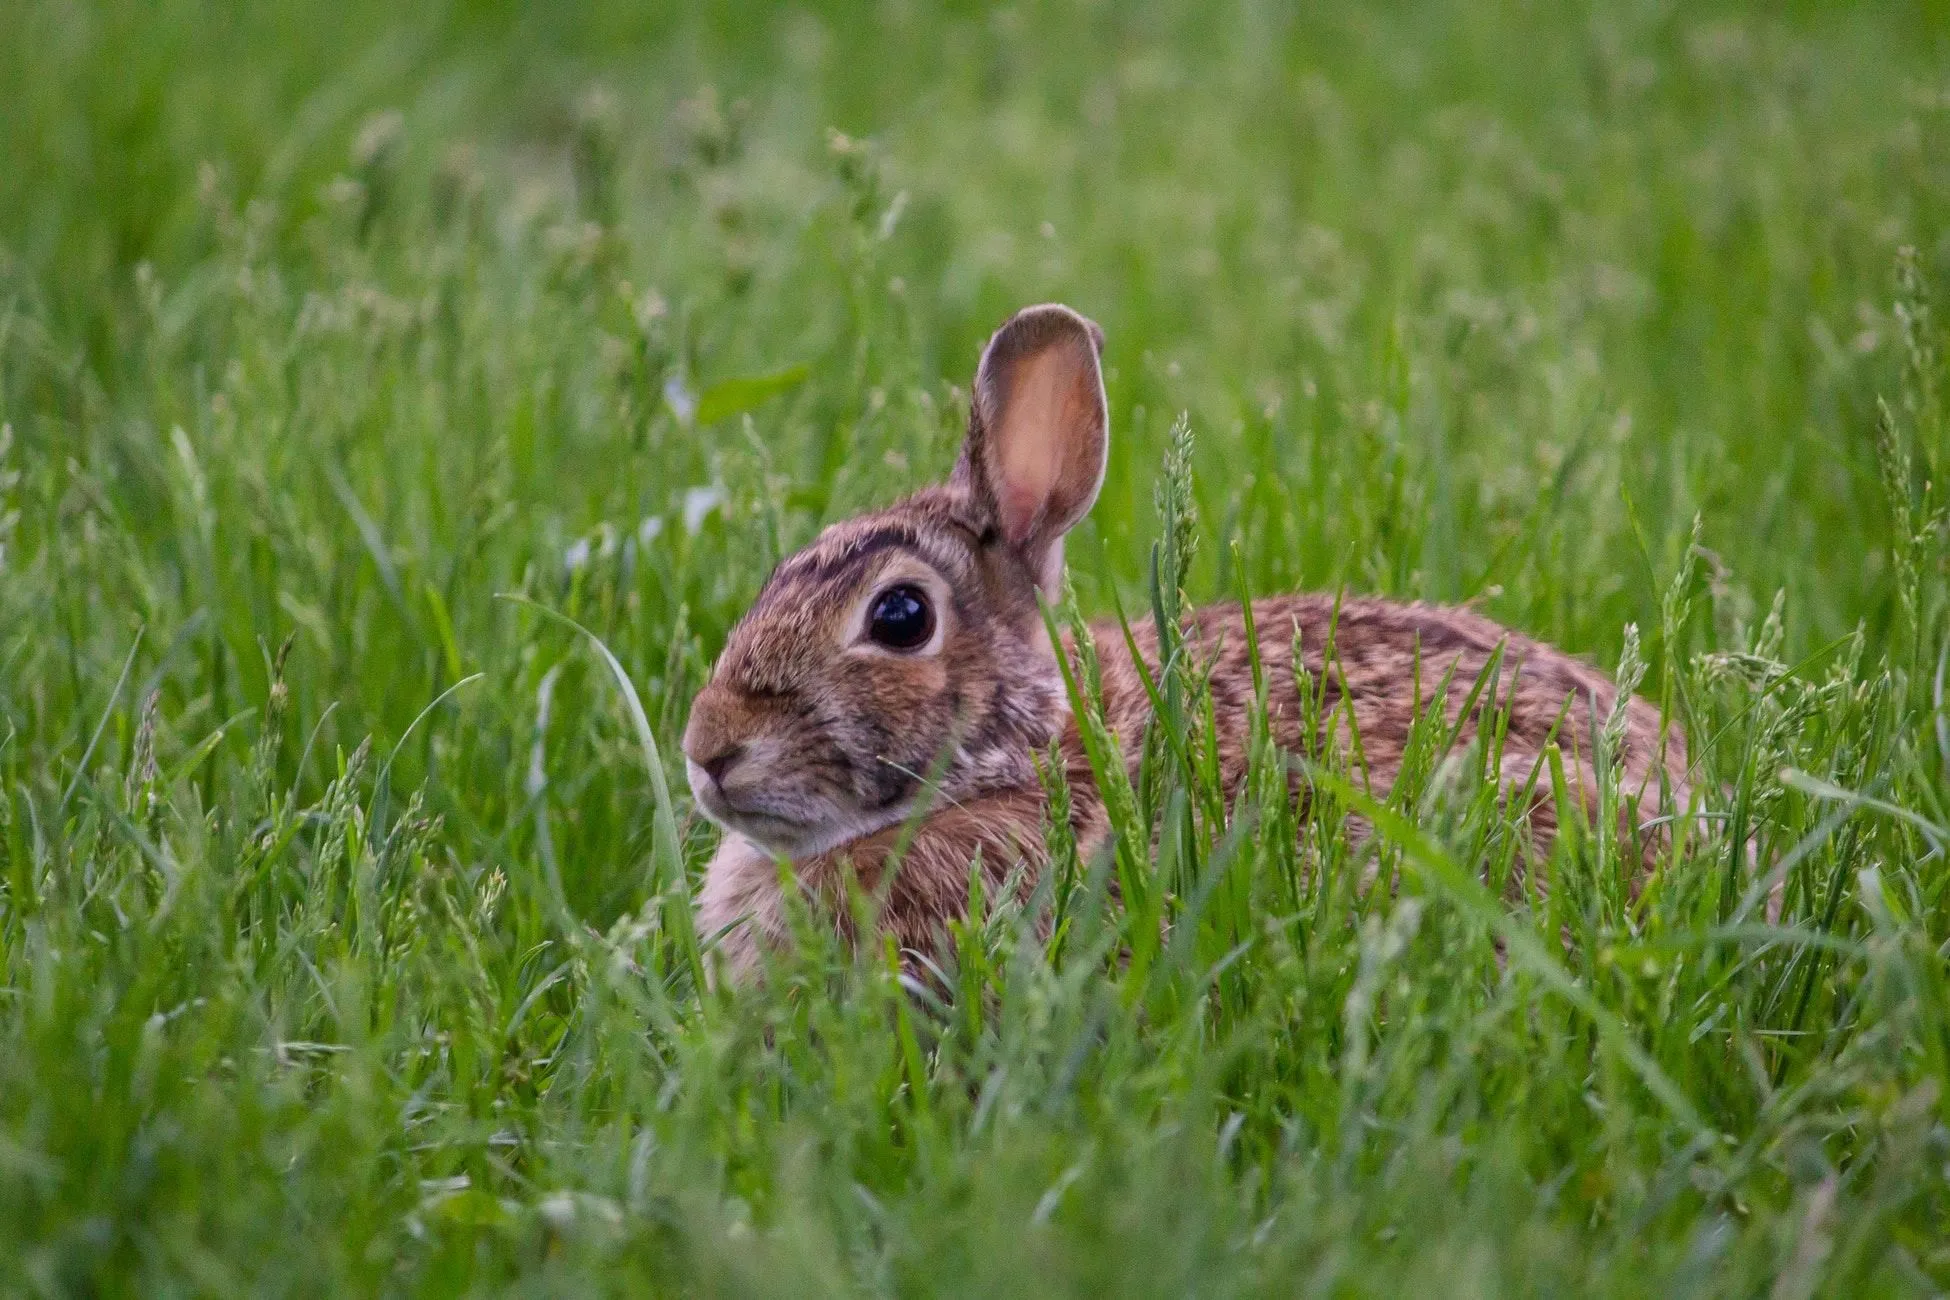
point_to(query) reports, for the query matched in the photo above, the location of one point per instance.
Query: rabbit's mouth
(795, 840)
(779, 835)
(743, 815)
(781, 822)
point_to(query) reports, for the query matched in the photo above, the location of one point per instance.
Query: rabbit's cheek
(897, 683)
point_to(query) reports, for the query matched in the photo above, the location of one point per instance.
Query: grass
(343, 940)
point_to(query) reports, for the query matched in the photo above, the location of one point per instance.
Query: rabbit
(900, 665)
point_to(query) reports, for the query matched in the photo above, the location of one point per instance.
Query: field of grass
(344, 945)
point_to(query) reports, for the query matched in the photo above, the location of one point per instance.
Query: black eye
(901, 618)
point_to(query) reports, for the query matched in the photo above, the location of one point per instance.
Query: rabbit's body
(900, 665)
(1542, 696)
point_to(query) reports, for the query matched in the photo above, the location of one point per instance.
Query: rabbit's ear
(1038, 432)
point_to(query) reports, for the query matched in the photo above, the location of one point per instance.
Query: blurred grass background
(320, 327)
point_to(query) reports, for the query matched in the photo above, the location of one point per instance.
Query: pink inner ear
(1029, 443)
(1019, 507)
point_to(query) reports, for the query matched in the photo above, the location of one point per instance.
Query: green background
(322, 326)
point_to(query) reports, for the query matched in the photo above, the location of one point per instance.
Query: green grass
(341, 945)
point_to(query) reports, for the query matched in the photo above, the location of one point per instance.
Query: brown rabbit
(909, 643)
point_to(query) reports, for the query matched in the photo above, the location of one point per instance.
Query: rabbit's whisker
(924, 782)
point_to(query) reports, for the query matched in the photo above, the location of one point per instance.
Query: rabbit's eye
(901, 619)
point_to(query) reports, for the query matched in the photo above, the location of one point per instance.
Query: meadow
(346, 352)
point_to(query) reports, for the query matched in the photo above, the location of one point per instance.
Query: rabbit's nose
(721, 762)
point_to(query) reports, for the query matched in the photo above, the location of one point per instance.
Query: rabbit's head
(901, 656)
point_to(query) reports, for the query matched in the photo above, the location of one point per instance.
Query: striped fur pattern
(815, 745)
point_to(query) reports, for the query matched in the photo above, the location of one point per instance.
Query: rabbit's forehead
(849, 554)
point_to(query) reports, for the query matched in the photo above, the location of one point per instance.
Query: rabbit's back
(1386, 662)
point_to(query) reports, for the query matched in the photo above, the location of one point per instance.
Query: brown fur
(824, 744)
(1547, 694)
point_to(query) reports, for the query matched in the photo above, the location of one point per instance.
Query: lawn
(344, 930)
